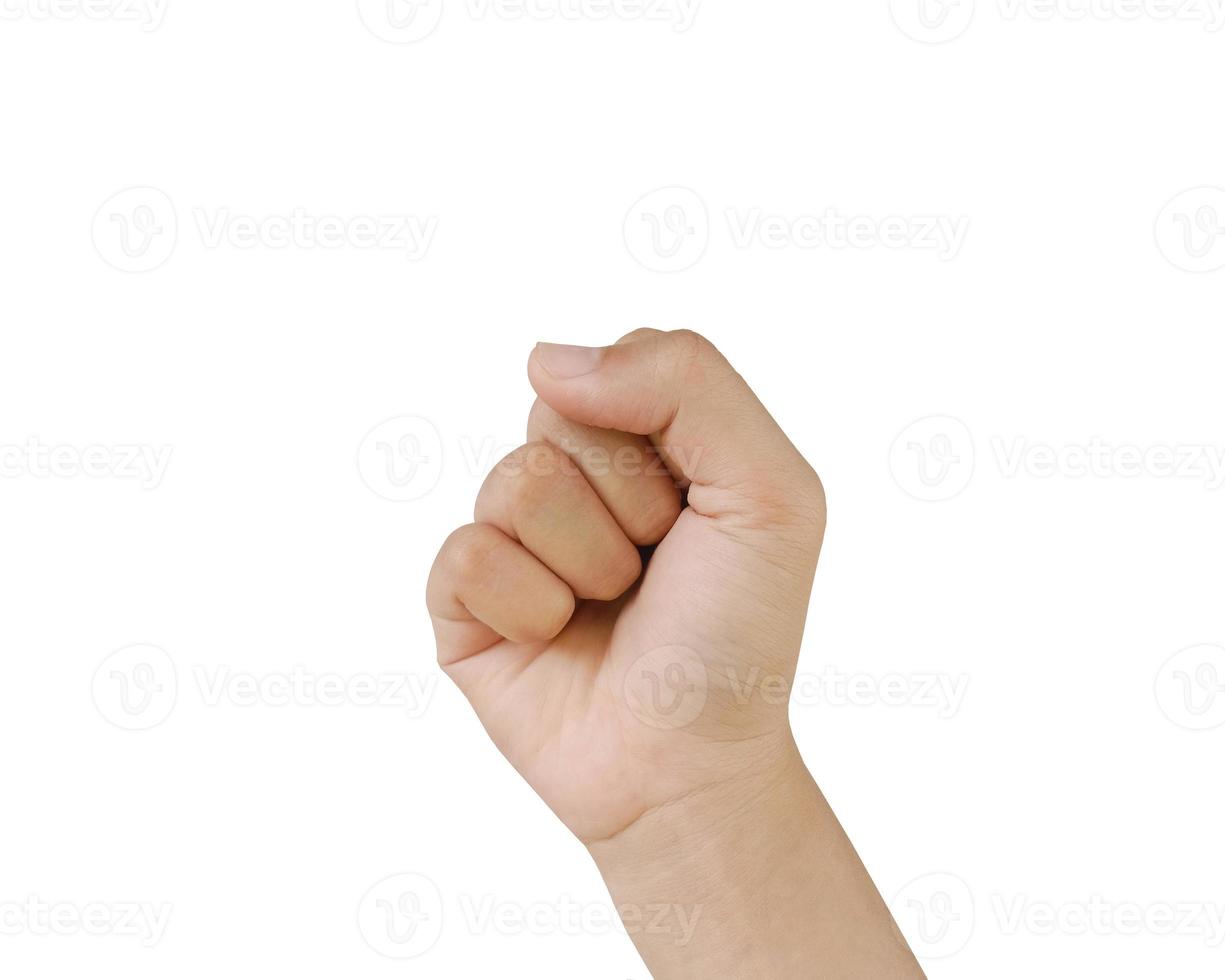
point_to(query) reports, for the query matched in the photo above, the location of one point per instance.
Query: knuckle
(694, 360)
(793, 506)
(651, 523)
(690, 341)
(642, 333)
(690, 347)
(467, 551)
(555, 618)
(806, 510)
(526, 477)
(541, 420)
(620, 573)
(812, 491)
(542, 467)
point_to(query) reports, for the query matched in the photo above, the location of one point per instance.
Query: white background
(1070, 348)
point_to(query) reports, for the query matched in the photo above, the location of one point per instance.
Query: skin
(646, 700)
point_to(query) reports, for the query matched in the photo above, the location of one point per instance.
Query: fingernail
(565, 361)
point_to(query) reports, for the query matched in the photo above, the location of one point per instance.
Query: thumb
(708, 425)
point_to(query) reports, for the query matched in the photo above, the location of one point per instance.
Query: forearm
(752, 879)
(610, 687)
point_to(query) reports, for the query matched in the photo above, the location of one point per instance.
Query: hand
(647, 703)
(584, 670)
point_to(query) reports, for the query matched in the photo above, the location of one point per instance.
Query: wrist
(750, 791)
(694, 871)
(751, 876)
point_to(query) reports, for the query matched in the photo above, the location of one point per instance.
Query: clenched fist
(625, 617)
